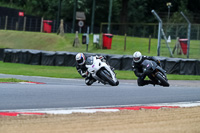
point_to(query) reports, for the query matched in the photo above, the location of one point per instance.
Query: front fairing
(148, 66)
(94, 65)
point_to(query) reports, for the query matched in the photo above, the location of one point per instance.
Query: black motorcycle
(155, 72)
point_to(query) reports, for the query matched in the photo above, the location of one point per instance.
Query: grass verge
(54, 42)
(70, 72)
(11, 80)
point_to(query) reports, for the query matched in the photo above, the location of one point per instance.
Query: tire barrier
(1, 53)
(48, 58)
(115, 61)
(119, 62)
(126, 63)
(172, 65)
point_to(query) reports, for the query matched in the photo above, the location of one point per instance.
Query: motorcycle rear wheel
(103, 74)
(163, 80)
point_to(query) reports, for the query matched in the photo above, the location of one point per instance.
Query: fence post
(87, 39)
(149, 44)
(144, 30)
(125, 42)
(198, 33)
(109, 16)
(24, 28)
(30, 24)
(54, 25)
(176, 30)
(41, 27)
(66, 28)
(93, 13)
(188, 34)
(12, 24)
(36, 24)
(16, 26)
(159, 31)
(74, 16)
(6, 22)
(154, 31)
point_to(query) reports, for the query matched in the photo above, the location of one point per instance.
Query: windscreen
(89, 61)
(149, 64)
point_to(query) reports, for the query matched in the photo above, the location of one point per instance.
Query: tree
(124, 16)
(123, 11)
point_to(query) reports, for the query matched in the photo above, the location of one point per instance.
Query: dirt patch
(177, 120)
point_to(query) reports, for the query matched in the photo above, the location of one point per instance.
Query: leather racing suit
(138, 70)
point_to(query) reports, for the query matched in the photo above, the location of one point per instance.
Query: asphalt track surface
(70, 93)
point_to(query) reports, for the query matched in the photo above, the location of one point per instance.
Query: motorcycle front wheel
(162, 79)
(107, 77)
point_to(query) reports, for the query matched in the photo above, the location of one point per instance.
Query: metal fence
(146, 29)
(29, 24)
(141, 30)
(36, 25)
(171, 30)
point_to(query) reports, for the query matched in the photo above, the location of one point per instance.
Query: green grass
(37, 70)
(11, 80)
(53, 42)
(30, 40)
(69, 72)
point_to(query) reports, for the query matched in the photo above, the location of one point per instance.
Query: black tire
(163, 80)
(105, 76)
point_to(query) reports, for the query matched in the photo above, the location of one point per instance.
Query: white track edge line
(93, 109)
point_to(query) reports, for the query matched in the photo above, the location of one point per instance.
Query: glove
(103, 59)
(140, 74)
(146, 72)
(84, 74)
(158, 62)
(99, 57)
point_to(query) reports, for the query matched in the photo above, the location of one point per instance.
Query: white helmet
(80, 58)
(137, 57)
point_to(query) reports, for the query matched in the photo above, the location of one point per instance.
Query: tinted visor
(136, 59)
(80, 61)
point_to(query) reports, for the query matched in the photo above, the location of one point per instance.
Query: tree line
(123, 11)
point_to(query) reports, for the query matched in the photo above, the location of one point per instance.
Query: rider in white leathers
(82, 69)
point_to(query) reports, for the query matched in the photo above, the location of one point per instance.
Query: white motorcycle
(101, 71)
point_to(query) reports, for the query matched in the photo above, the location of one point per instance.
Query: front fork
(163, 75)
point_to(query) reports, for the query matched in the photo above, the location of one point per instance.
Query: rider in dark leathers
(138, 58)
